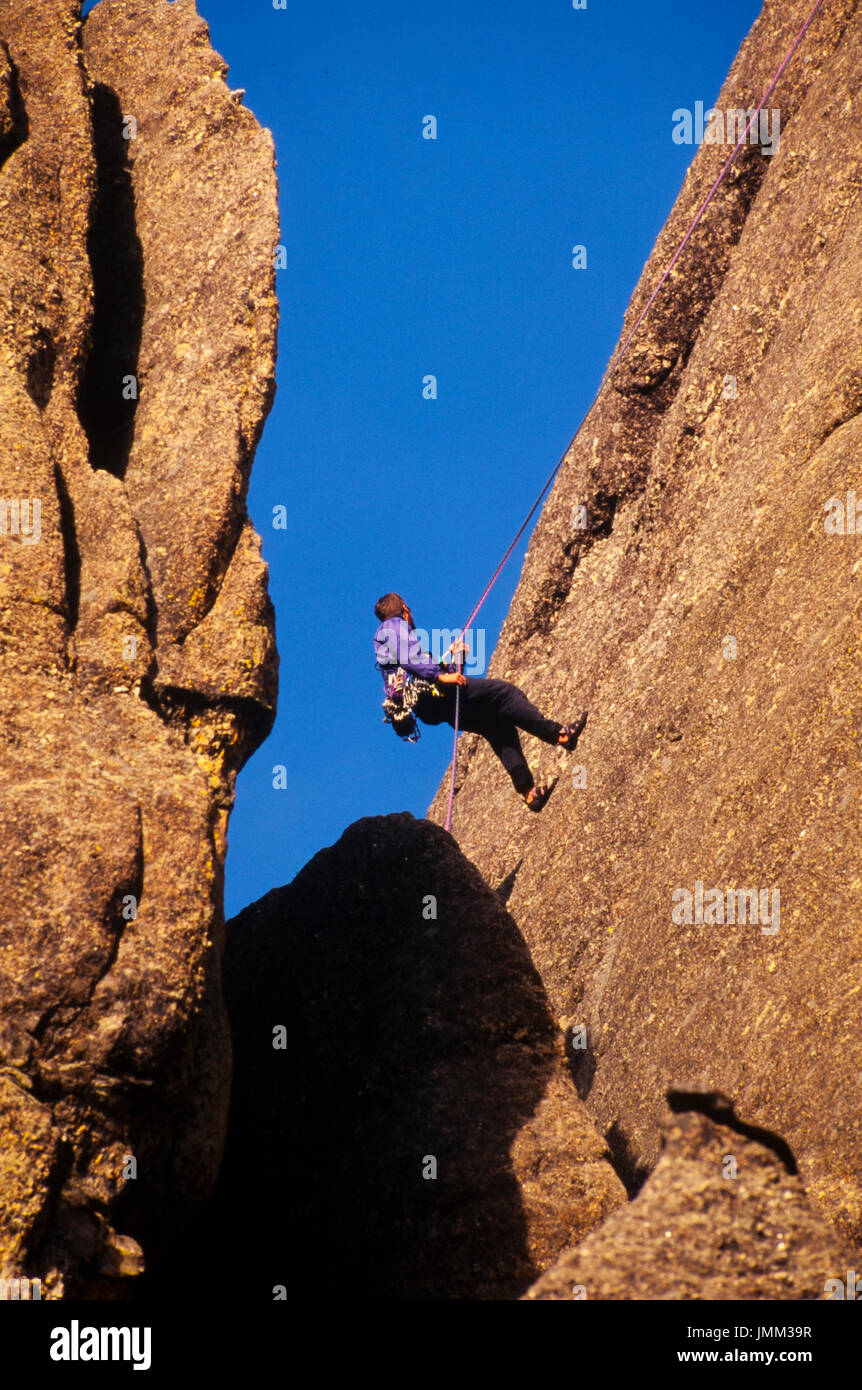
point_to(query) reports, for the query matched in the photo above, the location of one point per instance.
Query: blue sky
(452, 257)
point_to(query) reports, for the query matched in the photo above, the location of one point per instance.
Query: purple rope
(454, 758)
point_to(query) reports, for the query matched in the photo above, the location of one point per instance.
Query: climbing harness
(402, 690)
(617, 358)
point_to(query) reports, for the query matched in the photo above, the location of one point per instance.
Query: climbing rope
(615, 361)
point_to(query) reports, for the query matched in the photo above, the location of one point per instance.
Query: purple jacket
(395, 645)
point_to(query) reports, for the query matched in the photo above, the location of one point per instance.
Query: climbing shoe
(571, 733)
(541, 794)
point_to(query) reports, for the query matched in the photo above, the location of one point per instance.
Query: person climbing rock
(493, 708)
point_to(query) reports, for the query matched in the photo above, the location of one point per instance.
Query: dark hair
(389, 606)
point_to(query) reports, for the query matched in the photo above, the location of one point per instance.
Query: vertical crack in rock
(40, 368)
(71, 550)
(109, 384)
(151, 622)
(630, 1172)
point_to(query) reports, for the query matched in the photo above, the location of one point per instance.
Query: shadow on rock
(391, 1040)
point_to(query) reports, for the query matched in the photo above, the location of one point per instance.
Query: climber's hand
(452, 678)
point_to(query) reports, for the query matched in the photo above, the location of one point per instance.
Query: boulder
(721, 1218)
(400, 1088)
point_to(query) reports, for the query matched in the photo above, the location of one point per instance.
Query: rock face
(401, 1078)
(137, 660)
(708, 614)
(414, 1125)
(720, 1218)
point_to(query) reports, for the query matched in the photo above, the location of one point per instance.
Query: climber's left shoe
(537, 796)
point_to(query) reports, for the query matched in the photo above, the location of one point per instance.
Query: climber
(493, 708)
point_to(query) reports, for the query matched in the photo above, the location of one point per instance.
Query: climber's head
(392, 606)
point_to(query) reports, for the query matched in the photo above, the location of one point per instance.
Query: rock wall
(708, 615)
(137, 660)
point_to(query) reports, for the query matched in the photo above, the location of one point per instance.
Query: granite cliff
(137, 659)
(708, 615)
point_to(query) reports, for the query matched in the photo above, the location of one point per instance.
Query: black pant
(496, 710)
